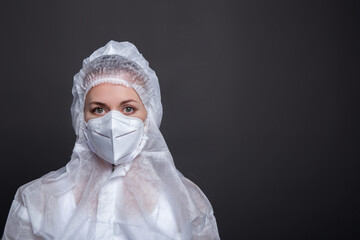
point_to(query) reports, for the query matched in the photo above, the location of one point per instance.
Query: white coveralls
(147, 198)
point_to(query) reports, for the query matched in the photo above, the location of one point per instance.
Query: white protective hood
(147, 198)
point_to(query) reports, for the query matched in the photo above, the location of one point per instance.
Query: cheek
(87, 115)
(143, 114)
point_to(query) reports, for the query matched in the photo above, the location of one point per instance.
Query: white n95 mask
(114, 137)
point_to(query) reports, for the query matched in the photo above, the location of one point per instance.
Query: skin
(107, 97)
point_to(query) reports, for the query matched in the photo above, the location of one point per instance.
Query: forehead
(107, 92)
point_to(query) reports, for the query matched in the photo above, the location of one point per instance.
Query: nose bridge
(117, 115)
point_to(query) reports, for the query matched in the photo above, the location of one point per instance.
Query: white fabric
(144, 199)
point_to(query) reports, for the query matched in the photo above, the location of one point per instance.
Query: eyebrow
(98, 103)
(127, 101)
(122, 103)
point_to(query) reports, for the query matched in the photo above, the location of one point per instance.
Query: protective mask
(114, 137)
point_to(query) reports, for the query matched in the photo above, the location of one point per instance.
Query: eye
(128, 110)
(98, 110)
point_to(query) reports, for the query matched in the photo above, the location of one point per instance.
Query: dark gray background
(261, 102)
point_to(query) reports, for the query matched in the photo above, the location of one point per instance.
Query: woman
(121, 182)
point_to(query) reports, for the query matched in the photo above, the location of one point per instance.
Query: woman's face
(106, 97)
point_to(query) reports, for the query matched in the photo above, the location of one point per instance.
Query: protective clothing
(146, 198)
(115, 137)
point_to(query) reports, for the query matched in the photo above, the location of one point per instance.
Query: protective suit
(145, 198)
